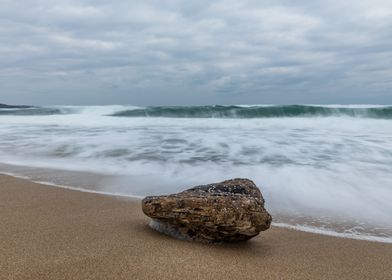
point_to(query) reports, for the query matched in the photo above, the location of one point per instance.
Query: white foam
(322, 231)
(80, 189)
(97, 110)
(325, 166)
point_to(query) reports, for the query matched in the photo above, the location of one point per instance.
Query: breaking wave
(258, 112)
(214, 111)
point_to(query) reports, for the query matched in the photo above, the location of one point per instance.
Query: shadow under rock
(256, 246)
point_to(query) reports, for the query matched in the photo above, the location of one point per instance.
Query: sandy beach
(53, 233)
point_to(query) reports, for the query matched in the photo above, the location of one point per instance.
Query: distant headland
(5, 106)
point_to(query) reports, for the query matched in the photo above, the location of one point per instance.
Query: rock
(231, 210)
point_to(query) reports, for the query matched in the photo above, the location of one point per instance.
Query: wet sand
(53, 233)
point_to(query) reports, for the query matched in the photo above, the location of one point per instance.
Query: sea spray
(212, 111)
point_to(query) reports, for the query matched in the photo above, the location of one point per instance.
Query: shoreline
(55, 233)
(66, 187)
(298, 227)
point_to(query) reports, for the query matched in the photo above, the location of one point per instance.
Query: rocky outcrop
(231, 210)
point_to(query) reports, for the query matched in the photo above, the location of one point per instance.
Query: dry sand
(54, 233)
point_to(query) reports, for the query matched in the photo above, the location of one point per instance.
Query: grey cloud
(195, 52)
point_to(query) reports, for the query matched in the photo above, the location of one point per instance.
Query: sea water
(326, 169)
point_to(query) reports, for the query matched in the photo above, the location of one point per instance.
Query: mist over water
(330, 171)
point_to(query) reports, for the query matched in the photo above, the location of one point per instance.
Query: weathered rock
(231, 210)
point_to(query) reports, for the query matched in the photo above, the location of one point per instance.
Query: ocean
(325, 169)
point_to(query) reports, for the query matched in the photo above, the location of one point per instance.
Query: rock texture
(231, 210)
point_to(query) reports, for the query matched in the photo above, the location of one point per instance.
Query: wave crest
(216, 111)
(257, 112)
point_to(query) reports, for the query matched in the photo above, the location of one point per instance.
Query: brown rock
(231, 210)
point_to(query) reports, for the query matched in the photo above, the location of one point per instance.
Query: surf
(210, 111)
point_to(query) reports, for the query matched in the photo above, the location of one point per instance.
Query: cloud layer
(195, 52)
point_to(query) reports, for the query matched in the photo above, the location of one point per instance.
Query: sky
(195, 52)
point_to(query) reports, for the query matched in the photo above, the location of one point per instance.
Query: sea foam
(325, 172)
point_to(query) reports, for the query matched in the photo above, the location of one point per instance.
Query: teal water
(218, 111)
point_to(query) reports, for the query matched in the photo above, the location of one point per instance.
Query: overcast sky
(195, 52)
